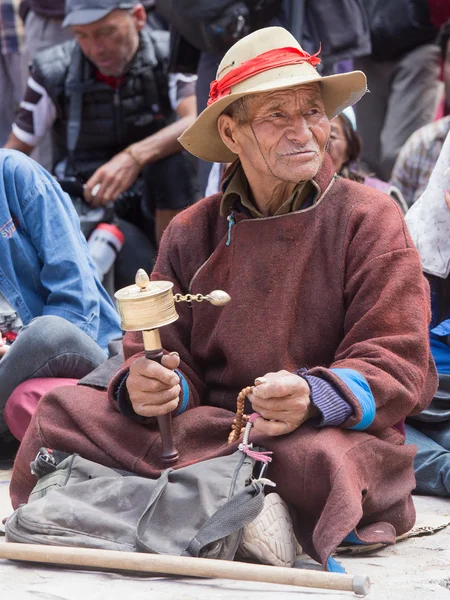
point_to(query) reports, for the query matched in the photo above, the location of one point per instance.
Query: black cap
(84, 12)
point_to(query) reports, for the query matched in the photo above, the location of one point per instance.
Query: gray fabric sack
(198, 510)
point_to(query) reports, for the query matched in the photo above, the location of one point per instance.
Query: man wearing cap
(328, 319)
(114, 111)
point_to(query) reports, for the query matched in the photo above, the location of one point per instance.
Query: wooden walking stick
(146, 306)
(184, 565)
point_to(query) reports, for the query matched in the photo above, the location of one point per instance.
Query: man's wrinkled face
(287, 133)
(111, 42)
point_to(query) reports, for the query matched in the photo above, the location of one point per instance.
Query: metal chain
(190, 298)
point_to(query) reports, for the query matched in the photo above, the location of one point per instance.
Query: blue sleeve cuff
(360, 388)
(184, 396)
(333, 408)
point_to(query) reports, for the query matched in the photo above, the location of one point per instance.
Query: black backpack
(215, 25)
(398, 26)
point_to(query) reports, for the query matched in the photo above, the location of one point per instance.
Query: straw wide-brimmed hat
(268, 59)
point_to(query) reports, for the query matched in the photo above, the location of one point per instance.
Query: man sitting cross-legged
(329, 307)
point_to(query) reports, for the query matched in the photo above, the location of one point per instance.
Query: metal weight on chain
(216, 297)
(146, 306)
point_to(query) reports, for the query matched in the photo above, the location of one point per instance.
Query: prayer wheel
(146, 306)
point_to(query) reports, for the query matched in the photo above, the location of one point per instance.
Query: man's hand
(154, 388)
(114, 177)
(284, 402)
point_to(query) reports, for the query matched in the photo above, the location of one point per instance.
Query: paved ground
(415, 569)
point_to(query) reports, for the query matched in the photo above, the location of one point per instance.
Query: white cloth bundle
(428, 219)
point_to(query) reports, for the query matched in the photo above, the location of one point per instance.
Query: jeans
(48, 347)
(432, 461)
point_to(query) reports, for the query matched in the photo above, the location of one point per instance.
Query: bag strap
(232, 516)
(144, 521)
(79, 81)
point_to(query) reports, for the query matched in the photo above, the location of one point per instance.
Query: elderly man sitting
(329, 314)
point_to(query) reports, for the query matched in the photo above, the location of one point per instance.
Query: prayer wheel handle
(169, 454)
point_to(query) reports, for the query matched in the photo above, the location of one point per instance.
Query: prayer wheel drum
(149, 307)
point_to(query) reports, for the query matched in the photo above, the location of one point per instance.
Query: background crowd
(100, 105)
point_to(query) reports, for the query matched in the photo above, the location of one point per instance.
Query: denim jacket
(45, 267)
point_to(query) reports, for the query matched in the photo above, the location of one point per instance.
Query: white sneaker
(270, 537)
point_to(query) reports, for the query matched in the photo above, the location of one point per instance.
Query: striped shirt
(11, 27)
(417, 159)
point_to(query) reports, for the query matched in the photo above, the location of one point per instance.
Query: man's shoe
(270, 537)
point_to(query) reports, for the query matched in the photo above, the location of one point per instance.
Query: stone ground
(417, 568)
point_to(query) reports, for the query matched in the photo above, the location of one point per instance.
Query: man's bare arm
(165, 142)
(13, 143)
(118, 174)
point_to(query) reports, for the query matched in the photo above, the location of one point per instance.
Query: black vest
(101, 121)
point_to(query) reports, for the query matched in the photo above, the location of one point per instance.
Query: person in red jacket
(328, 321)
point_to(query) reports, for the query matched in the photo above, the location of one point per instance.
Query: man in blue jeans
(48, 283)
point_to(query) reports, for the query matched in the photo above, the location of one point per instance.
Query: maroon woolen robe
(336, 285)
